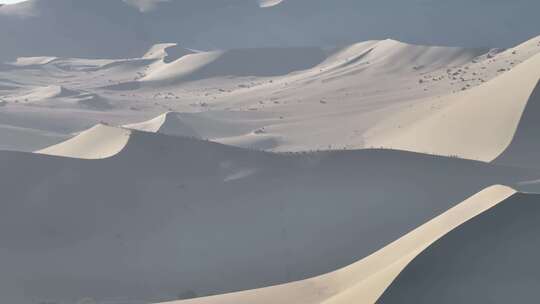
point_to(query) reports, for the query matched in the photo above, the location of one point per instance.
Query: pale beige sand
(99, 142)
(364, 95)
(269, 3)
(366, 280)
(477, 124)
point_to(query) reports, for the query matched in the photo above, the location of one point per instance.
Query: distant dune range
(89, 29)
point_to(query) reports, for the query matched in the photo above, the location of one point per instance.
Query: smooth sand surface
(99, 142)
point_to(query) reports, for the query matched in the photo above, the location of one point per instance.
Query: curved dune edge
(98, 142)
(168, 123)
(492, 258)
(269, 3)
(366, 280)
(476, 124)
(153, 125)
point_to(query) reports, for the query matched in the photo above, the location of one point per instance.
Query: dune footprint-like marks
(493, 258)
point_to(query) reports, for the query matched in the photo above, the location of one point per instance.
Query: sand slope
(169, 123)
(477, 124)
(175, 212)
(241, 62)
(490, 259)
(98, 142)
(525, 146)
(364, 281)
(377, 90)
(244, 24)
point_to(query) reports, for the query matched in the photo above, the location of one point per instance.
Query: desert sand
(267, 155)
(365, 281)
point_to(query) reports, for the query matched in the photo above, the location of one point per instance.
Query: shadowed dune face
(524, 150)
(207, 218)
(366, 280)
(490, 259)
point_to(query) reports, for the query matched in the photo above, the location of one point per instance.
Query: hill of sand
(269, 3)
(244, 62)
(479, 123)
(188, 197)
(364, 281)
(90, 29)
(98, 142)
(524, 149)
(491, 258)
(168, 123)
(68, 220)
(284, 99)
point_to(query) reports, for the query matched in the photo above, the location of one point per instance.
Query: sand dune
(269, 3)
(183, 195)
(169, 123)
(48, 92)
(213, 126)
(477, 124)
(98, 142)
(31, 61)
(168, 52)
(264, 155)
(525, 147)
(244, 24)
(491, 258)
(242, 62)
(391, 55)
(377, 89)
(366, 280)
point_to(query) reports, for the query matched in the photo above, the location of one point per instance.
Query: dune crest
(98, 142)
(269, 3)
(492, 258)
(239, 63)
(169, 123)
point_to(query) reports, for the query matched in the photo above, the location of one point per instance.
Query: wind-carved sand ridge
(495, 262)
(99, 142)
(169, 123)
